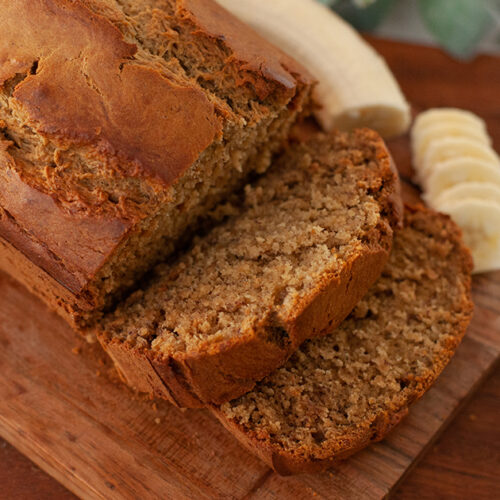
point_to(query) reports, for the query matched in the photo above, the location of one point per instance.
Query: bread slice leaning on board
(299, 248)
(343, 391)
(121, 124)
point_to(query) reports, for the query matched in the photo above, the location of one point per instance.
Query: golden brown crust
(84, 87)
(231, 368)
(287, 463)
(85, 65)
(24, 207)
(33, 277)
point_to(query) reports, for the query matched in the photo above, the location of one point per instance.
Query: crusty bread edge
(57, 297)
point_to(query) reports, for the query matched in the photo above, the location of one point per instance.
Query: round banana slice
(422, 138)
(456, 171)
(480, 223)
(441, 150)
(469, 190)
(450, 115)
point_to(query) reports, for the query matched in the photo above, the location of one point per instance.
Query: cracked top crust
(88, 90)
(91, 86)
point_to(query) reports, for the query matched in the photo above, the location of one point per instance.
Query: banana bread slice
(121, 123)
(341, 392)
(293, 258)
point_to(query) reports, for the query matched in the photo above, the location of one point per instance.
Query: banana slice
(468, 190)
(480, 223)
(441, 150)
(456, 171)
(423, 137)
(460, 174)
(356, 87)
(449, 115)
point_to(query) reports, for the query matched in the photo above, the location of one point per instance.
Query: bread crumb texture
(332, 394)
(323, 204)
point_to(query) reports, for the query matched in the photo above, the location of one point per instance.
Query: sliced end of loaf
(297, 251)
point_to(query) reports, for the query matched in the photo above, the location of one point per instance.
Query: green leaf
(363, 3)
(458, 25)
(366, 18)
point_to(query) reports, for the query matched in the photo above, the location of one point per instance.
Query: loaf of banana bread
(122, 122)
(296, 253)
(341, 392)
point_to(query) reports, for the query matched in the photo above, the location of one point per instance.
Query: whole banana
(355, 86)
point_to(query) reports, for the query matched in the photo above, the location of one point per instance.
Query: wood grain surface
(463, 464)
(61, 405)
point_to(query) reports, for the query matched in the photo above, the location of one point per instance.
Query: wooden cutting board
(62, 405)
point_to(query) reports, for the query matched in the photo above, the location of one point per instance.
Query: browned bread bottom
(341, 392)
(290, 262)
